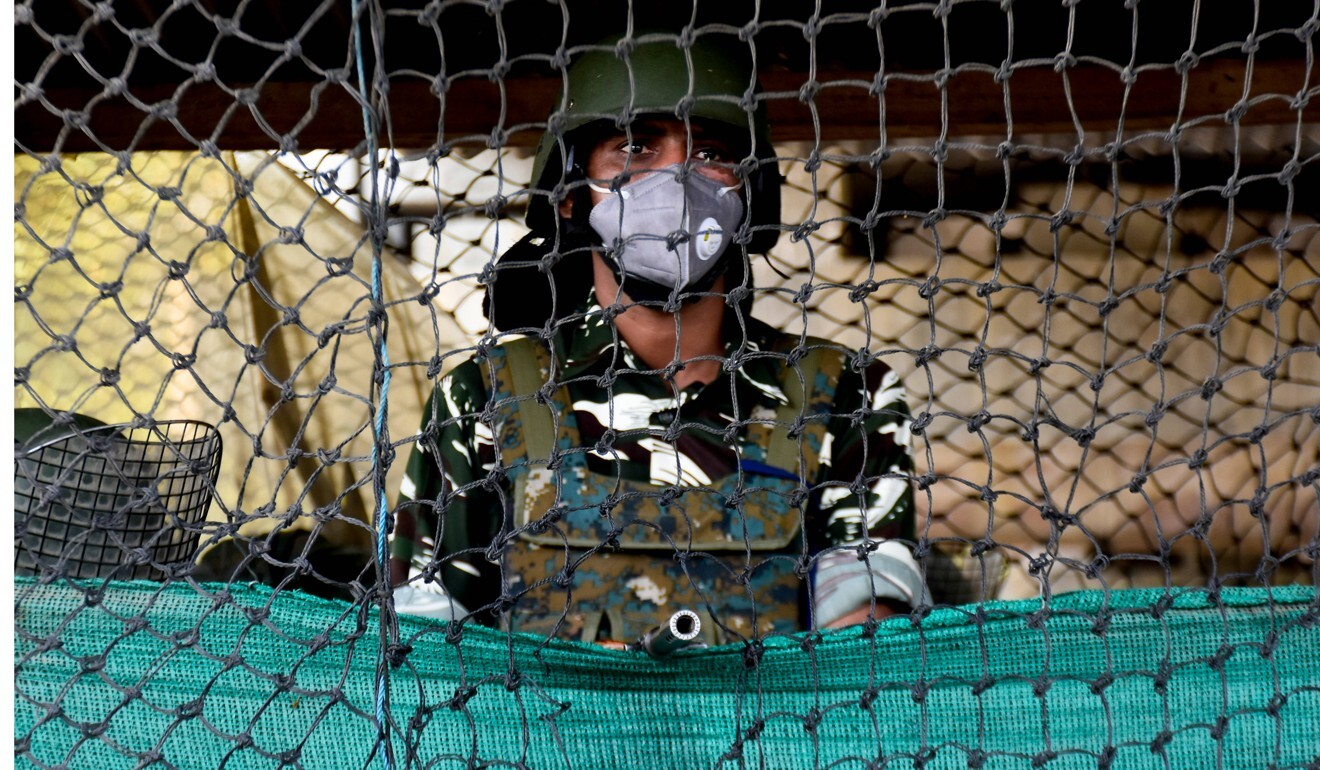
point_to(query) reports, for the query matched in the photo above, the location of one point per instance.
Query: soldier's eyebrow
(731, 139)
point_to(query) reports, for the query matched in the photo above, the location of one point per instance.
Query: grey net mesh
(1083, 235)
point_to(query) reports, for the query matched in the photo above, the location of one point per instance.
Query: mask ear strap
(607, 191)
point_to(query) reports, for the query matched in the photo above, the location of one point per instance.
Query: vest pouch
(631, 592)
(574, 507)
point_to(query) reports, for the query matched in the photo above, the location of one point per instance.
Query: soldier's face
(658, 143)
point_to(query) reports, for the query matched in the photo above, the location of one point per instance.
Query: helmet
(654, 78)
(643, 75)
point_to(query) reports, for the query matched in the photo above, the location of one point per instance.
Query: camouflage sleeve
(867, 461)
(444, 513)
(865, 497)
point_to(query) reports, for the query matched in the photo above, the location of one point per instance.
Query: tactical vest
(588, 548)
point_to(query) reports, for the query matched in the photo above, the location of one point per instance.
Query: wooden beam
(844, 106)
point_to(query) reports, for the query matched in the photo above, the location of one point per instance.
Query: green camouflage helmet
(654, 77)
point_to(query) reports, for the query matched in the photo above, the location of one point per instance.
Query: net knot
(1276, 704)
(189, 710)
(397, 654)
(863, 290)
(804, 230)
(1058, 518)
(869, 696)
(462, 694)
(737, 295)
(752, 653)
(1005, 71)
(291, 235)
(494, 478)
(927, 354)
(878, 85)
(1063, 61)
(1235, 113)
(1162, 740)
(145, 37)
(502, 604)
(204, 72)
(605, 444)
(165, 110)
(813, 718)
(226, 26)
(683, 109)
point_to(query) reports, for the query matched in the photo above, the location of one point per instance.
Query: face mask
(667, 232)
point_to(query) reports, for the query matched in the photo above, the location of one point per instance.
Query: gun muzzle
(680, 632)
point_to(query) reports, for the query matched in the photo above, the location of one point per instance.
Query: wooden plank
(844, 106)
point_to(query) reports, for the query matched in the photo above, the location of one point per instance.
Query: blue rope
(378, 429)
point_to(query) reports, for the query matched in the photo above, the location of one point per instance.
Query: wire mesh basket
(114, 501)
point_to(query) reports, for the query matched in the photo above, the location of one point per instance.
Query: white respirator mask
(668, 228)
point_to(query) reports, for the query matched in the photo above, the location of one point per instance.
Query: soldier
(648, 446)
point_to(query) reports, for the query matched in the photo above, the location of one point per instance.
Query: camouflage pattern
(589, 546)
(568, 528)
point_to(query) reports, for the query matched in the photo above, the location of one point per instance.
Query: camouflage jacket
(630, 428)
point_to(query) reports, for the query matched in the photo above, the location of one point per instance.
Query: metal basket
(114, 501)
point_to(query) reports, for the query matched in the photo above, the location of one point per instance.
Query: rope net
(1032, 359)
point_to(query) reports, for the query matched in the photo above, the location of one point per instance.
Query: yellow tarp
(224, 290)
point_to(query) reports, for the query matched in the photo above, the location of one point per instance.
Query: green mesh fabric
(133, 675)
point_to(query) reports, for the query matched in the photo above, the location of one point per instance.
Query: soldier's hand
(883, 608)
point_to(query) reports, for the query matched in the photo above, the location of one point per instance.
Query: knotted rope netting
(1083, 234)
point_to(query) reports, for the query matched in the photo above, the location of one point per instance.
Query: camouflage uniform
(634, 503)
